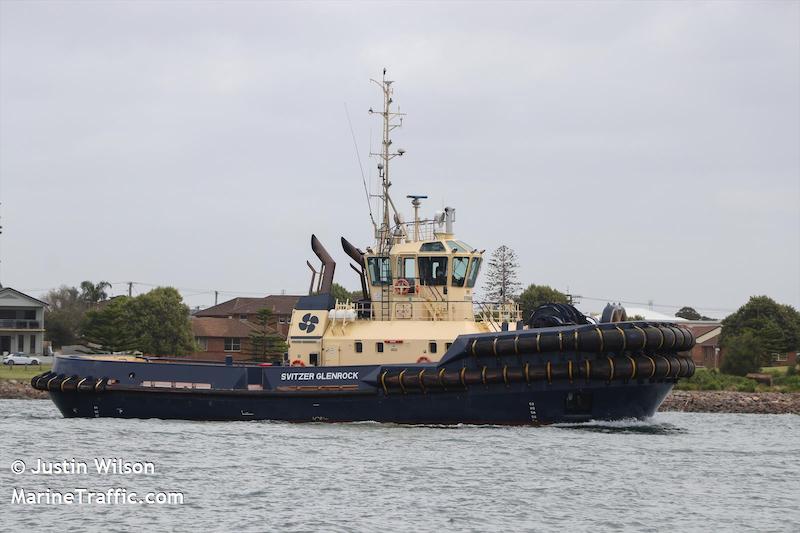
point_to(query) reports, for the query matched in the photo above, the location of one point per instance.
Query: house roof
(652, 316)
(280, 304)
(705, 332)
(9, 291)
(221, 327)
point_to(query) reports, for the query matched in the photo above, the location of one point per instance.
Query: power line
(648, 304)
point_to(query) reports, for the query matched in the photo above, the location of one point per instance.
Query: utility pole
(130, 289)
(216, 297)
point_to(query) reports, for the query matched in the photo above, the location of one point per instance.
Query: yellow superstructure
(418, 283)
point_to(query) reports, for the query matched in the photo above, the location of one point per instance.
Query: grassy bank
(20, 372)
(713, 380)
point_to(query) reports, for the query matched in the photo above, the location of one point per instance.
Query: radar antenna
(391, 121)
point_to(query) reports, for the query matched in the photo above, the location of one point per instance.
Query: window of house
(379, 347)
(460, 265)
(433, 270)
(242, 317)
(359, 347)
(432, 347)
(233, 344)
(30, 315)
(475, 267)
(432, 247)
(33, 344)
(202, 343)
(380, 270)
(20, 343)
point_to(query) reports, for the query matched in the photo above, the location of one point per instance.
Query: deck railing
(19, 324)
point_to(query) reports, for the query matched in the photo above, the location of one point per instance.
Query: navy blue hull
(470, 407)
(516, 403)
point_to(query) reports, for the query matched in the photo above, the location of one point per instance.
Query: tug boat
(416, 348)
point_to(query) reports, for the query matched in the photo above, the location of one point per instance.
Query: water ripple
(678, 471)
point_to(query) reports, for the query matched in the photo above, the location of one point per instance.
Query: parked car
(20, 359)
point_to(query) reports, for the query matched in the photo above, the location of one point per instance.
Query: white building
(21, 322)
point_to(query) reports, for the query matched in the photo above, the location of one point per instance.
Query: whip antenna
(360, 166)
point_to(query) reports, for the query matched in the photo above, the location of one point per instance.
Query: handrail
(20, 324)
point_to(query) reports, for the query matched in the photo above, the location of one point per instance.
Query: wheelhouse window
(435, 246)
(379, 347)
(433, 270)
(407, 269)
(380, 270)
(475, 267)
(458, 246)
(432, 347)
(233, 344)
(460, 265)
(359, 346)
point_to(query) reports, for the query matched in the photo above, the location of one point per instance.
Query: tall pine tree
(501, 277)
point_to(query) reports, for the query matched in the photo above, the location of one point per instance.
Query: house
(217, 337)
(707, 333)
(281, 306)
(21, 322)
(784, 359)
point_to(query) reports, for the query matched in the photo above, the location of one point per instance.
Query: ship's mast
(391, 121)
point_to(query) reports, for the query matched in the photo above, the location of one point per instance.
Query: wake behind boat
(414, 349)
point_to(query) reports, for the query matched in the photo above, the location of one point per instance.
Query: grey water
(677, 471)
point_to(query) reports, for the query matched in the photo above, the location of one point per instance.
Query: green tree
(92, 293)
(266, 342)
(340, 293)
(63, 315)
(112, 327)
(155, 323)
(162, 322)
(536, 295)
(744, 354)
(689, 313)
(776, 326)
(501, 275)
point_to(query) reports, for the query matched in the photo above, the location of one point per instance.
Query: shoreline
(13, 389)
(682, 401)
(712, 401)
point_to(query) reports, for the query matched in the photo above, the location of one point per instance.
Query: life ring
(298, 362)
(423, 359)
(401, 286)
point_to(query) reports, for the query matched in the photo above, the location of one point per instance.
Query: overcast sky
(635, 151)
